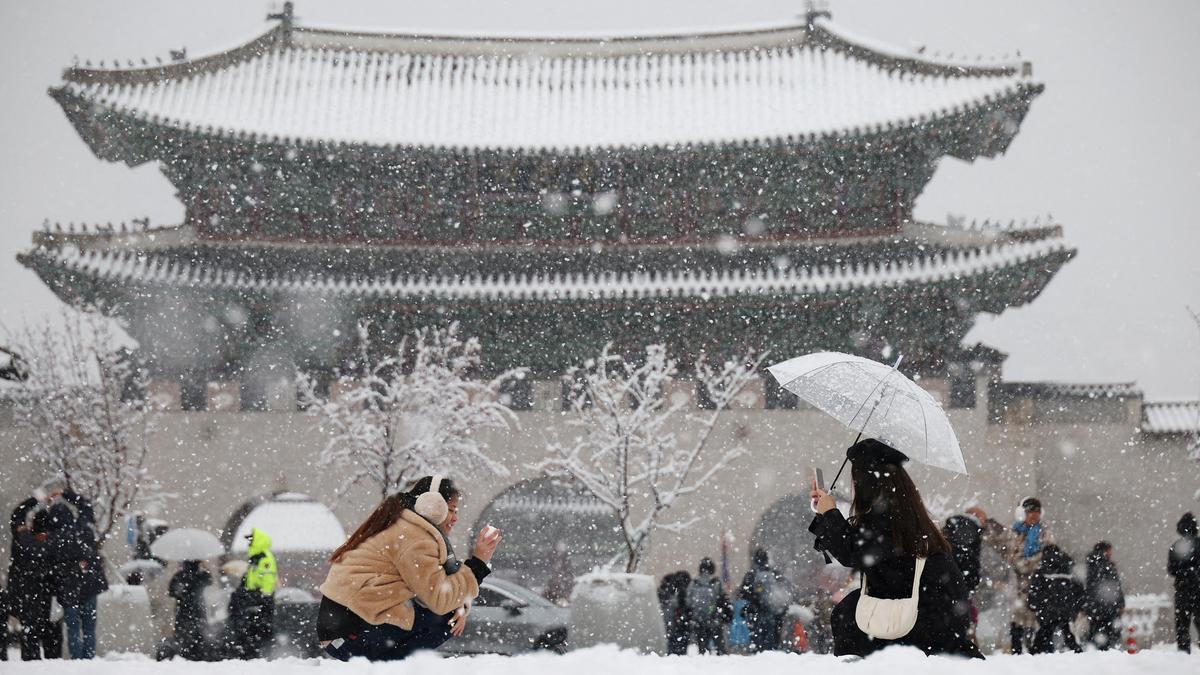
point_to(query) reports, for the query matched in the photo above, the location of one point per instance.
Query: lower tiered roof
(924, 255)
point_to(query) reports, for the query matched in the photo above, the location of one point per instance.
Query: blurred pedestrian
(79, 567)
(672, 599)
(1104, 599)
(739, 629)
(32, 581)
(1055, 597)
(1024, 554)
(191, 618)
(562, 578)
(250, 626)
(1183, 563)
(709, 609)
(767, 598)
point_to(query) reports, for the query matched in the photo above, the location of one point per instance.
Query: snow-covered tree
(636, 447)
(410, 412)
(82, 403)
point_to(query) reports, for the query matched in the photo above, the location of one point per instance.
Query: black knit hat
(1187, 525)
(870, 452)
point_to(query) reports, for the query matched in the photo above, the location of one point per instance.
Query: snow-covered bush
(411, 412)
(624, 445)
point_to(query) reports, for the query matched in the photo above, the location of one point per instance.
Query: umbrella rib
(925, 426)
(869, 397)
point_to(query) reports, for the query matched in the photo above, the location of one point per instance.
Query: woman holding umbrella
(191, 620)
(188, 547)
(912, 592)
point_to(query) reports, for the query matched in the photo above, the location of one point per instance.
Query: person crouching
(395, 586)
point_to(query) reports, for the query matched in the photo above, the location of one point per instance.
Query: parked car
(508, 618)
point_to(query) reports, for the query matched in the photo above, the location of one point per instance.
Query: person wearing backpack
(912, 591)
(767, 597)
(1055, 597)
(709, 609)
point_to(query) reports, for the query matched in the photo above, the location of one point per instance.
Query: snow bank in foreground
(607, 660)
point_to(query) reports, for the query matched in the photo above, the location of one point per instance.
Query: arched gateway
(551, 528)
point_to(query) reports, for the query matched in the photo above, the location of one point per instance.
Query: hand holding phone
(821, 500)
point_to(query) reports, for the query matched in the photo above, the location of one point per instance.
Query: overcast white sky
(1110, 149)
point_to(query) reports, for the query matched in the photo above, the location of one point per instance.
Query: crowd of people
(56, 575)
(887, 532)
(55, 559)
(395, 586)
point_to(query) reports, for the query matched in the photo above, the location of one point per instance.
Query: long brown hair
(389, 510)
(887, 490)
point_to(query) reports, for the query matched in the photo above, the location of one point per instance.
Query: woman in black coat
(888, 530)
(1104, 600)
(191, 621)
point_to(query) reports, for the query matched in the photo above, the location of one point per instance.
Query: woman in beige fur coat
(395, 586)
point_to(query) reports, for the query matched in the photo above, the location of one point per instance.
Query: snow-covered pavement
(608, 660)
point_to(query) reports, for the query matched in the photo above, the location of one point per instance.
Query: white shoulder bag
(889, 619)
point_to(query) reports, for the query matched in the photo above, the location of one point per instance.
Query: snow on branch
(412, 412)
(83, 404)
(638, 448)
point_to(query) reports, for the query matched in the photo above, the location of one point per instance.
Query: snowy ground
(607, 660)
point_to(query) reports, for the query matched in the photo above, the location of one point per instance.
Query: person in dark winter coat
(191, 620)
(1183, 563)
(672, 599)
(1055, 598)
(80, 568)
(966, 533)
(1104, 600)
(32, 582)
(767, 597)
(709, 608)
(889, 528)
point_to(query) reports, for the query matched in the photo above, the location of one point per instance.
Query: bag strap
(916, 587)
(917, 577)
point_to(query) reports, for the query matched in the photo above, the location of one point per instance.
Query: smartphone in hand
(818, 482)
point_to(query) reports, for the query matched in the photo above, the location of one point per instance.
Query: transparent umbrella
(186, 544)
(874, 400)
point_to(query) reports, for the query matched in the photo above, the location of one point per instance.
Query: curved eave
(816, 28)
(980, 128)
(1017, 273)
(829, 34)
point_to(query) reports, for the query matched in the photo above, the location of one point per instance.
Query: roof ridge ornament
(287, 21)
(815, 9)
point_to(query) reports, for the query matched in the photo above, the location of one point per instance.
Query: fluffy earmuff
(431, 505)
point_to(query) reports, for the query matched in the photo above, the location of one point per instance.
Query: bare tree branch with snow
(624, 447)
(82, 402)
(412, 412)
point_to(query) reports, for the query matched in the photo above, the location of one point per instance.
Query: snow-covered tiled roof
(792, 82)
(162, 272)
(1072, 390)
(1171, 417)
